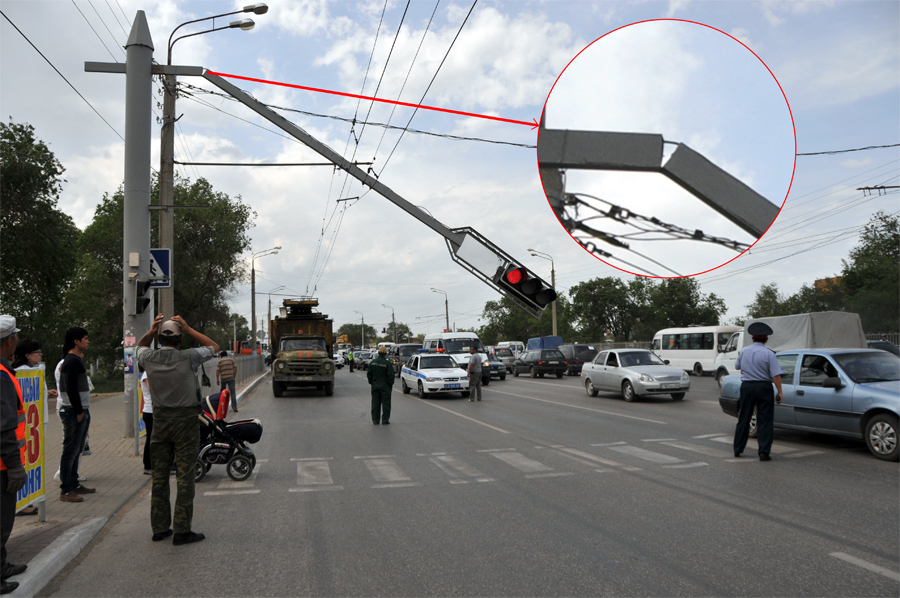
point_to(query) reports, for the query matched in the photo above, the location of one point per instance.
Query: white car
(431, 373)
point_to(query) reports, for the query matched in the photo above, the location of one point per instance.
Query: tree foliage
(507, 322)
(871, 276)
(38, 252)
(354, 334)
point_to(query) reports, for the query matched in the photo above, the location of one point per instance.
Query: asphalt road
(539, 490)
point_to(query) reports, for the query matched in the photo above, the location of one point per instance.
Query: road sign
(161, 268)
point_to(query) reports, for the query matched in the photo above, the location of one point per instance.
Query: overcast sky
(838, 64)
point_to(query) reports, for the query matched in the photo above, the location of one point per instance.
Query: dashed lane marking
(866, 565)
(643, 419)
(471, 419)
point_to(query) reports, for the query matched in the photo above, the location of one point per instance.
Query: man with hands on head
(176, 432)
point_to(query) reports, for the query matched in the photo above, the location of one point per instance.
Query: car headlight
(684, 376)
(328, 366)
(646, 378)
(430, 379)
(280, 365)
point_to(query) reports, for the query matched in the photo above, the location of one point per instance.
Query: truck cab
(301, 349)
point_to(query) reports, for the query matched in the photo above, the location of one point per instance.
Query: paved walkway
(113, 469)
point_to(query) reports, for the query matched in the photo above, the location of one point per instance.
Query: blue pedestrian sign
(160, 268)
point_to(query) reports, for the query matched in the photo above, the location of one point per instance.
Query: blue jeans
(74, 433)
(229, 384)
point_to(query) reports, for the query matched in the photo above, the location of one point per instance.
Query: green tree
(680, 303)
(871, 277)
(603, 307)
(403, 332)
(354, 333)
(768, 302)
(38, 252)
(506, 321)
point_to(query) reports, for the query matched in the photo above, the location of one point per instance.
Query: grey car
(848, 392)
(633, 372)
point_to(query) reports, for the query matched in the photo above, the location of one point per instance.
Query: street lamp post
(167, 146)
(547, 256)
(362, 329)
(268, 338)
(263, 253)
(393, 322)
(446, 308)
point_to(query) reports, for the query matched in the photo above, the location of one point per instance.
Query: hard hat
(170, 329)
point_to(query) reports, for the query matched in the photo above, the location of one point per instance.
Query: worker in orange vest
(12, 447)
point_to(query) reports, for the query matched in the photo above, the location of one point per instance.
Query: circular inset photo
(666, 148)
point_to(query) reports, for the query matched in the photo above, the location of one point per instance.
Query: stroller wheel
(239, 468)
(200, 470)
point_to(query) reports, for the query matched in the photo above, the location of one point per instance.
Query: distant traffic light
(526, 287)
(141, 301)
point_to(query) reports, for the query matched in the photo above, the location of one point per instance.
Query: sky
(837, 64)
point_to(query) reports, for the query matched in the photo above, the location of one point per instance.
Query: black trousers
(757, 394)
(7, 514)
(381, 405)
(148, 421)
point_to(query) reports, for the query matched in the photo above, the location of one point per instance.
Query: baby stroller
(225, 443)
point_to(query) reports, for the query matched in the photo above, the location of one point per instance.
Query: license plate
(452, 385)
(671, 386)
(553, 362)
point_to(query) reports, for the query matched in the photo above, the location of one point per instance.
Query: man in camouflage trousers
(176, 431)
(381, 377)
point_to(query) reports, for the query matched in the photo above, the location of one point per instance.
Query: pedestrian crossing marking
(376, 457)
(313, 473)
(646, 455)
(230, 492)
(554, 474)
(385, 471)
(591, 457)
(494, 450)
(686, 465)
(608, 444)
(657, 439)
(708, 435)
(521, 462)
(457, 469)
(804, 454)
(703, 450)
(752, 445)
(228, 486)
(315, 488)
(397, 485)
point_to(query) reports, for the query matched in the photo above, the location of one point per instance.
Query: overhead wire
(104, 24)
(858, 149)
(95, 31)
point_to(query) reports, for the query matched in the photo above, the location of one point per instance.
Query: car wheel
(677, 396)
(559, 374)
(589, 388)
(404, 387)
(486, 381)
(753, 429)
(277, 388)
(532, 373)
(628, 391)
(515, 372)
(329, 389)
(720, 378)
(541, 375)
(503, 376)
(465, 394)
(421, 391)
(881, 437)
(698, 369)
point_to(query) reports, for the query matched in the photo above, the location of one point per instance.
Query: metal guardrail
(894, 337)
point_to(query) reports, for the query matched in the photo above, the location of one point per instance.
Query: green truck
(300, 347)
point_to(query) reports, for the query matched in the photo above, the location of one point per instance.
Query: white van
(516, 347)
(456, 345)
(693, 349)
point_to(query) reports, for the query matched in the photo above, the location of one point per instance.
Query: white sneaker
(56, 476)
(81, 478)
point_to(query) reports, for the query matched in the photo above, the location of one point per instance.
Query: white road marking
(311, 473)
(656, 439)
(397, 485)
(708, 435)
(686, 465)
(375, 457)
(703, 450)
(589, 456)
(867, 565)
(495, 450)
(312, 459)
(645, 454)
(554, 474)
(315, 488)
(752, 445)
(226, 492)
(609, 444)
(522, 463)
(471, 419)
(457, 469)
(386, 471)
(805, 454)
(643, 419)
(229, 484)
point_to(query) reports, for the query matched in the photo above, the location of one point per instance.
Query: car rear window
(552, 354)
(585, 352)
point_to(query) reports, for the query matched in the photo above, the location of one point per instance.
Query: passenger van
(456, 345)
(515, 346)
(693, 349)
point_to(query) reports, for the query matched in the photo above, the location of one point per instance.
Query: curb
(53, 559)
(253, 385)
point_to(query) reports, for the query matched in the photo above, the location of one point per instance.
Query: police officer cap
(170, 328)
(760, 329)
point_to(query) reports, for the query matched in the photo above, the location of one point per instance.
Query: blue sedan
(848, 392)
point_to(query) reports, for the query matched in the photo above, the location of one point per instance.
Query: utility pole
(167, 191)
(446, 308)
(547, 256)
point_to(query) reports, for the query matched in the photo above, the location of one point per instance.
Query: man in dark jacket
(12, 438)
(381, 377)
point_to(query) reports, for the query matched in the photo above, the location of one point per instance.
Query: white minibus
(693, 349)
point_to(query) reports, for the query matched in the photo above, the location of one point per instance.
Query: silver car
(633, 372)
(849, 392)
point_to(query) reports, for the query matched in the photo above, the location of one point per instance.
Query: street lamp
(167, 145)
(362, 329)
(263, 253)
(268, 339)
(547, 256)
(393, 322)
(446, 308)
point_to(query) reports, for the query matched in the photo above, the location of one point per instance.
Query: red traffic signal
(516, 275)
(525, 287)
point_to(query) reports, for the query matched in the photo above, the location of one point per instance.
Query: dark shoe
(83, 490)
(235, 411)
(8, 587)
(765, 457)
(187, 538)
(70, 497)
(162, 535)
(737, 455)
(148, 472)
(32, 510)
(9, 570)
(376, 423)
(385, 422)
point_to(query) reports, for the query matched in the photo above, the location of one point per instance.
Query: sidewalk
(113, 469)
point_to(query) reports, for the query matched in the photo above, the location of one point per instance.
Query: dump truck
(300, 351)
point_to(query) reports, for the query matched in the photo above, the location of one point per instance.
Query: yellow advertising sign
(32, 383)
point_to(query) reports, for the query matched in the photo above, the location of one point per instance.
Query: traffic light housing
(141, 300)
(525, 286)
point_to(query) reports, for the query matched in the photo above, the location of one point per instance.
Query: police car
(432, 373)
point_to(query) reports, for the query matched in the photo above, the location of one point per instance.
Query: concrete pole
(553, 284)
(447, 312)
(394, 326)
(253, 305)
(136, 225)
(167, 192)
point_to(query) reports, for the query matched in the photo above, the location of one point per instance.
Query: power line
(61, 75)
(858, 149)
(95, 32)
(105, 25)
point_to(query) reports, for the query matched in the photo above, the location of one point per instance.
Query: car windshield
(503, 353)
(437, 361)
(552, 354)
(638, 358)
(585, 352)
(869, 367)
(461, 345)
(303, 344)
(407, 350)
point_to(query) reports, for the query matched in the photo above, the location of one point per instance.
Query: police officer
(176, 432)
(351, 357)
(759, 369)
(381, 376)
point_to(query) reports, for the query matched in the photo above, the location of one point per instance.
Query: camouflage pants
(175, 440)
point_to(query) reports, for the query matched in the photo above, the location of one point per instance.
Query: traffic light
(141, 301)
(525, 286)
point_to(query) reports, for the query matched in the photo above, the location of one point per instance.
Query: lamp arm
(171, 43)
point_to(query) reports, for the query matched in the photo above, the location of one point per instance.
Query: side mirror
(666, 361)
(720, 348)
(834, 383)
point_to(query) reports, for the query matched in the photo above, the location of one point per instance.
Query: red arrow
(534, 124)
